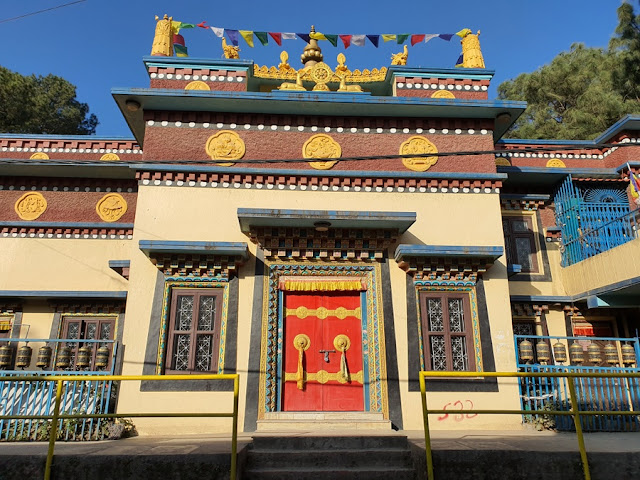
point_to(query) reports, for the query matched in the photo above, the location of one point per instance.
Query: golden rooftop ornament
(162, 41)
(229, 50)
(471, 53)
(312, 53)
(400, 58)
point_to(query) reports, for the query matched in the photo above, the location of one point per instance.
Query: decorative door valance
(321, 284)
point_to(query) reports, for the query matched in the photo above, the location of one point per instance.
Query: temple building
(326, 233)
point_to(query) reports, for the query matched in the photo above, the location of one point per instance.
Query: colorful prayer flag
(175, 27)
(346, 40)
(401, 38)
(429, 36)
(416, 39)
(388, 36)
(277, 37)
(304, 36)
(181, 50)
(317, 36)
(262, 36)
(248, 36)
(375, 39)
(446, 36)
(218, 31)
(358, 40)
(463, 33)
(232, 35)
(288, 36)
(332, 39)
(203, 25)
(460, 60)
(634, 186)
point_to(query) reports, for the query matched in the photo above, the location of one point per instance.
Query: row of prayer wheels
(63, 358)
(576, 353)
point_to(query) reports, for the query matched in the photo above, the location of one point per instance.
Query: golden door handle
(301, 342)
(342, 344)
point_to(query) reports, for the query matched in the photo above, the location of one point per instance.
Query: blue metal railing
(19, 397)
(608, 394)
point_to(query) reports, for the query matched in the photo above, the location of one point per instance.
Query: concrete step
(326, 421)
(293, 473)
(330, 442)
(267, 459)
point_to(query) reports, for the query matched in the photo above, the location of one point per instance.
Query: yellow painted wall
(210, 214)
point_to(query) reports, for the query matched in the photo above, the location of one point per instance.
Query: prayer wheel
(102, 357)
(23, 359)
(63, 360)
(559, 352)
(594, 353)
(576, 353)
(6, 354)
(543, 352)
(611, 354)
(628, 354)
(83, 360)
(44, 357)
(525, 350)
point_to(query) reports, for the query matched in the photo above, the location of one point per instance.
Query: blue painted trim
(524, 196)
(623, 166)
(426, 251)
(63, 294)
(513, 269)
(119, 263)
(249, 217)
(68, 224)
(584, 296)
(540, 299)
(318, 173)
(431, 74)
(527, 141)
(66, 137)
(607, 289)
(618, 127)
(397, 70)
(205, 248)
(553, 229)
(590, 172)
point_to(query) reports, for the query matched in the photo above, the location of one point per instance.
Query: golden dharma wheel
(83, 360)
(559, 352)
(594, 353)
(63, 359)
(611, 354)
(44, 357)
(525, 351)
(576, 353)
(543, 351)
(23, 359)
(628, 354)
(102, 357)
(6, 354)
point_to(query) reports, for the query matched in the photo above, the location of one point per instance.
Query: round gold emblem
(321, 146)
(225, 145)
(321, 74)
(302, 312)
(322, 313)
(341, 313)
(39, 156)
(556, 163)
(322, 376)
(197, 85)
(301, 341)
(111, 157)
(30, 206)
(502, 162)
(341, 343)
(420, 145)
(443, 94)
(111, 207)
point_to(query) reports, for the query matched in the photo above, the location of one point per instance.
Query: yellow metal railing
(57, 416)
(574, 412)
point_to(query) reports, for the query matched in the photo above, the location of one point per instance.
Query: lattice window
(89, 328)
(446, 331)
(194, 330)
(520, 242)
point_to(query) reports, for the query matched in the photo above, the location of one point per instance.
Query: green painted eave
(311, 103)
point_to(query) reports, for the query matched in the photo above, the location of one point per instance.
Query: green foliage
(37, 104)
(582, 92)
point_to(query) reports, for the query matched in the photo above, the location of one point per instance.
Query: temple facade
(326, 233)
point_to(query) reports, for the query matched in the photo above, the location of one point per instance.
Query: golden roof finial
(471, 53)
(162, 41)
(312, 53)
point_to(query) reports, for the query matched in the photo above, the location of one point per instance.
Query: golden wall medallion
(111, 207)
(321, 146)
(110, 157)
(30, 206)
(197, 85)
(443, 94)
(39, 156)
(225, 145)
(556, 163)
(419, 145)
(502, 162)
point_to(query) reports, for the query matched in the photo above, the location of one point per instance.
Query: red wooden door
(323, 326)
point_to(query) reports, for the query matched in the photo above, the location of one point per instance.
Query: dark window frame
(172, 332)
(467, 333)
(510, 237)
(84, 322)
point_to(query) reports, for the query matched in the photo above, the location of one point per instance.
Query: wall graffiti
(458, 411)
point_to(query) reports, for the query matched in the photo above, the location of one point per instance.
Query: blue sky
(99, 44)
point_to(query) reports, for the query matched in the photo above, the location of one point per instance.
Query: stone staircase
(326, 456)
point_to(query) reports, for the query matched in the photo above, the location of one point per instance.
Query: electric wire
(41, 11)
